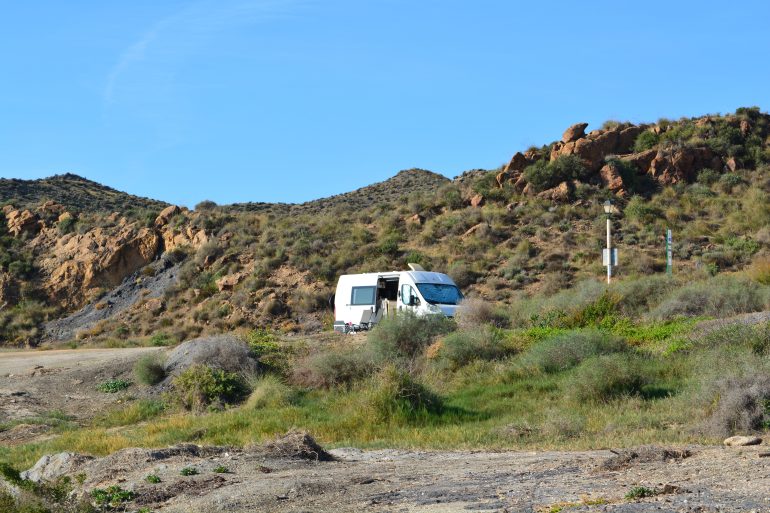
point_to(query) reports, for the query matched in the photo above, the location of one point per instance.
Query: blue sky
(284, 100)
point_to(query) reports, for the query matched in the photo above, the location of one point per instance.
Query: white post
(609, 252)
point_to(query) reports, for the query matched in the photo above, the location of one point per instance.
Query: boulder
(64, 216)
(21, 222)
(641, 160)
(740, 441)
(229, 281)
(53, 466)
(154, 305)
(518, 162)
(477, 200)
(731, 165)
(627, 138)
(416, 220)
(611, 178)
(220, 351)
(166, 214)
(180, 237)
(745, 127)
(561, 193)
(574, 132)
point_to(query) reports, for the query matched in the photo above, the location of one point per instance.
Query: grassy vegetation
(602, 373)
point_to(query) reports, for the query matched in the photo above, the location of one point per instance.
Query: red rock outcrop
(574, 132)
(681, 165)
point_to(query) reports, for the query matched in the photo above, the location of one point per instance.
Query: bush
(722, 296)
(334, 368)
(485, 343)
(149, 369)
(647, 140)
(161, 340)
(475, 312)
(567, 350)
(760, 271)
(407, 335)
(113, 386)
(199, 386)
(396, 395)
(542, 175)
(742, 405)
(270, 392)
(606, 377)
(640, 209)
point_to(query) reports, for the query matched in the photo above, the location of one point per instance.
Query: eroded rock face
(174, 238)
(79, 264)
(22, 222)
(560, 194)
(611, 178)
(514, 169)
(681, 165)
(477, 200)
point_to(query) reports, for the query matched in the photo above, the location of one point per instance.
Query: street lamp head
(608, 207)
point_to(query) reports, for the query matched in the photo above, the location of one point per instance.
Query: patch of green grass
(113, 386)
(640, 492)
(132, 413)
(152, 478)
(189, 471)
(221, 469)
(112, 497)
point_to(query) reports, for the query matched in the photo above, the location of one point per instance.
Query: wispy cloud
(181, 32)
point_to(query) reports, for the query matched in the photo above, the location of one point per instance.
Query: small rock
(477, 200)
(740, 441)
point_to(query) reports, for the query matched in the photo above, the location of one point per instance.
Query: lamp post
(608, 212)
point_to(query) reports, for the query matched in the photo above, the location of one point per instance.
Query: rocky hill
(74, 193)
(533, 226)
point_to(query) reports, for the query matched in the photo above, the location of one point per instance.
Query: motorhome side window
(363, 295)
(407, 293)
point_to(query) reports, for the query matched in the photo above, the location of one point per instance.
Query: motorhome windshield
(439, 293)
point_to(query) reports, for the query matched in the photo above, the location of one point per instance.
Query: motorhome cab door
(408, 300)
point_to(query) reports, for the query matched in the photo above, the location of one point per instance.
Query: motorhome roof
(417, 276)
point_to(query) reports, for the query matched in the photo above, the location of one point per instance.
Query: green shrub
(221, 469)
(113, 386)
(189, 471)
(641, 210)
(149, 369)
(543, 175)
(334, 368)
(722, 296)
(485, 343)
(407, 335)
(199, 386)
(640, 492)
(269, 391)
(111, 497)
(564, 351)
(268, 351)
(606, 377)
(396, 395)
(152, 478)
(160, 340)
(647, 140)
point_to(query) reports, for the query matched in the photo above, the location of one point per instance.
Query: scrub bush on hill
(719, 297)
(406, 335)
(605, 377)
(394, 395)
(565, 351)
(334, 368)
(743, 405)
(200, 386)
(543, 175)
(482, 343)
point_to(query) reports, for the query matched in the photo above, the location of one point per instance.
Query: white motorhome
(362, 300)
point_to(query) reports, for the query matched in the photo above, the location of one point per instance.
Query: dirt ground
(36, 385)
(711, 479)
(691, 479)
